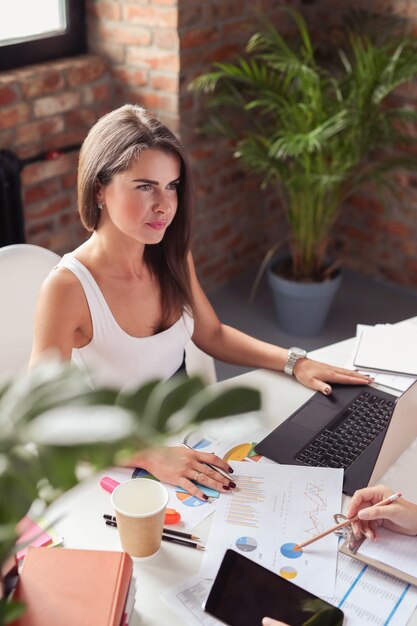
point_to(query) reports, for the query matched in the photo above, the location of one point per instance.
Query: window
(34, 32)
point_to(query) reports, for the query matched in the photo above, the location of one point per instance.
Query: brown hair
(109, 148)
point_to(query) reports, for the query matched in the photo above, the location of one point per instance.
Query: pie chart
(288, 572)
(246, 544)
(287, 549)
(242, 452)
(189, 500)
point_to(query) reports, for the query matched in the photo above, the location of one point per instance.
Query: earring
(100, 205)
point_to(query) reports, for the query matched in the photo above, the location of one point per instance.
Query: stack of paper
(387, 352)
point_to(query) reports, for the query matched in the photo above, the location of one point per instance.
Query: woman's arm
(232, 346)
(62, 318)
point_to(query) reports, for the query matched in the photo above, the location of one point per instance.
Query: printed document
(273, 508)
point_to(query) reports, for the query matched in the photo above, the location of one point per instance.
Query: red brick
(50, 207)
(105, 10)
(7, 138)
(67, 138)
(69, 181)
(151, 15)
(39, 84)
(37, 130)
(41, 191)
(132, 77)
(153, 58)
(8, 94)
(128, 35)
(162, 82)
(86, 71)
(50, 105)
(157, 102)
(113, 53)
(166, 39)
(396, 228)
(80, 117)
(13, 115)
(198, 37)
(36, 172)
(95, 93)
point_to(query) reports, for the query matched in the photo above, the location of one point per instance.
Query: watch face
(299, 352)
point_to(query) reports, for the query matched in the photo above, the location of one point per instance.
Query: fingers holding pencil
(400, 516)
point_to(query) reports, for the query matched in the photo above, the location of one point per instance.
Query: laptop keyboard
(341, 443)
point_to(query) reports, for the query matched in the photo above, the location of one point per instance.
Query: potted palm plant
(50, 420)
(316, 132)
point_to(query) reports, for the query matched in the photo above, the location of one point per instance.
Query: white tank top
(115, 359)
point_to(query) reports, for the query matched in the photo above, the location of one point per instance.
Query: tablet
(244, 592)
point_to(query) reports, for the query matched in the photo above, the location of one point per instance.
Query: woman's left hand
(317, 376)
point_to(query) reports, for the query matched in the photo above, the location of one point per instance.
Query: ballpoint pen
(166, 531)
(166, 537)
(347, 521)
(213, 467)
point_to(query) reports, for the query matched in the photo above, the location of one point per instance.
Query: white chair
(23, 268)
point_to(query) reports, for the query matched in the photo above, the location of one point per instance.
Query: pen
(348, 521)
(170, 538)
(167, 531)
(213, 467)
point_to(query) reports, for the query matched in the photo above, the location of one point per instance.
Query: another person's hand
(180, 466)
(399, 516)
(318, 375)
(268, 621)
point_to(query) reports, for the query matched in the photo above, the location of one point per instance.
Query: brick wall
(44, 108)
(139, 41)
(236, 221)
(147, 51)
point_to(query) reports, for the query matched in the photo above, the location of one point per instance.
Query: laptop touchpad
(314, 416)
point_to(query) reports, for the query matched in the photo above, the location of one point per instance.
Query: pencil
(181, 542)
(213, 467)
(167, 531)
(348, 521)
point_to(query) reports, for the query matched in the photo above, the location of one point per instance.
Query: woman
(124, 304)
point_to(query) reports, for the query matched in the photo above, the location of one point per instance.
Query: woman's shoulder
(62, 286)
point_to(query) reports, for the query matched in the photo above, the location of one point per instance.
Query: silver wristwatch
(293, 355)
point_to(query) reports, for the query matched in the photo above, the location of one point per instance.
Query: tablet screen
(244, 592)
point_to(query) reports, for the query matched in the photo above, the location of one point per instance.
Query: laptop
(360, 429)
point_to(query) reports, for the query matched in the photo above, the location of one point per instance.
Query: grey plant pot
(301, 308)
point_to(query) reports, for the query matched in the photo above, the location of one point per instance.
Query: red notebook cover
(65, 587)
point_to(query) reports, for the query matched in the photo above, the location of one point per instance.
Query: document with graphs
(273, 508)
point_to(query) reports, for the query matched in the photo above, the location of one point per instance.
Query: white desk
(82, 508)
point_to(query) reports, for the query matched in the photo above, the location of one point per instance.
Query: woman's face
(142, 201)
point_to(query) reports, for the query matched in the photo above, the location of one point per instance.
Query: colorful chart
(288, 572)
(189, 500)
(203, 443)
(246, 544)
(242, 452)
(287, 550)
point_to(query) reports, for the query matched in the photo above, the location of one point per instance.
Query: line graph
(316, 504)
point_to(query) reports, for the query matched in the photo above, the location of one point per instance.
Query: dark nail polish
(205, 496)
(232, 485)
(226, 487)
(230, 470)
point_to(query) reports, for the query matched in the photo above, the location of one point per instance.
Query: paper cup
(139, 505)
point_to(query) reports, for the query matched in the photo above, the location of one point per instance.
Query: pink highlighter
(171, 515)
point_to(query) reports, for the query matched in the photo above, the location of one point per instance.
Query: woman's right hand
(399, 516)
(184, 467)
